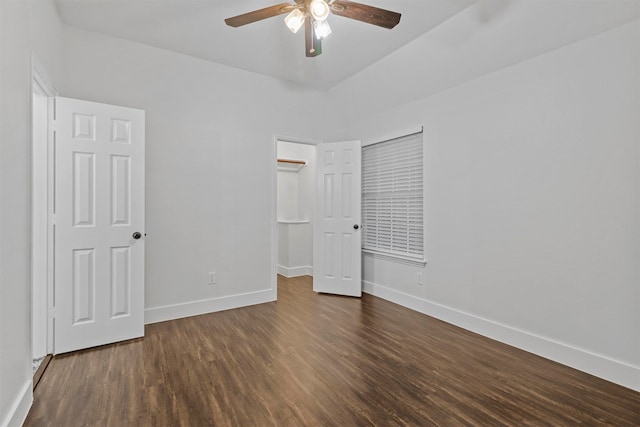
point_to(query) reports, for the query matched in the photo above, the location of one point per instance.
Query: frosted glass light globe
(319, 9)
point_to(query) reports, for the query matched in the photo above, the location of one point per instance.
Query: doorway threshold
(39, 366)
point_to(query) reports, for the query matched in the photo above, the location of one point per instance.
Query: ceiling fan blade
(313, 46)
(259, 15)
(365, 13)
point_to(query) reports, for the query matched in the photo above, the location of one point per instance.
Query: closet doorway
(296, 176)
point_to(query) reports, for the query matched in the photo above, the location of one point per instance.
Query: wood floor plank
(320, 360)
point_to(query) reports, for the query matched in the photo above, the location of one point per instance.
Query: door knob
(356, 226)
(137, 235)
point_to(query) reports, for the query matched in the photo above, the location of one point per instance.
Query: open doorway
(296, 174)
(317, 214)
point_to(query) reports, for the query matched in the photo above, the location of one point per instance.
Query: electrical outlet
(419, 278)
(212, 278)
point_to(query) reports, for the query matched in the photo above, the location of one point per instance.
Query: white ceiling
(487, 33)
(197, 28)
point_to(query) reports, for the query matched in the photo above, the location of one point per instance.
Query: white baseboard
(305, 270)
(195, 308)
(20, 408)
(595, 364)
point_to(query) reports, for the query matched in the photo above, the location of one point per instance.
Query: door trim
(274, 202)
(41, 201)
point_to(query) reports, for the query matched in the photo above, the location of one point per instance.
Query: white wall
(533, 204)
(287, 201)
(296, 192)
(25, 28)
(210, 165)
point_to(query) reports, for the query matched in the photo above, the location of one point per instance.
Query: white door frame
(42, 210)
(274, 204)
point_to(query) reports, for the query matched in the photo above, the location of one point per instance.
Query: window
(393, 198)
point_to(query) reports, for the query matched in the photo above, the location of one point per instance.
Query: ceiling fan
(313, 14)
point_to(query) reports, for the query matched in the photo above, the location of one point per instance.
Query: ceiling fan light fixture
(319, 9)
(294, 20)
(322, 29)
(312, 14)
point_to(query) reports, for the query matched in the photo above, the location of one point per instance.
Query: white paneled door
(336, 240)
(98, 224)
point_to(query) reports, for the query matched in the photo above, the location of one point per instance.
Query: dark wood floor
(320, 360)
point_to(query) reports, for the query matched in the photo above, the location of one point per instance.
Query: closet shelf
(293, 221)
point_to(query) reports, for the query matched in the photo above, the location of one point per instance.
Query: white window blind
(392, 197)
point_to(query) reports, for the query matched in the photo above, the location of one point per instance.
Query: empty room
(319, 212)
